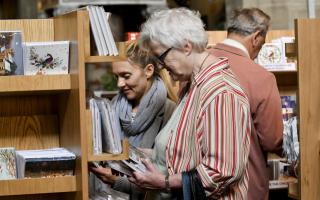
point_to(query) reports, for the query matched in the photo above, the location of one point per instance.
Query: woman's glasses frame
(160, 59)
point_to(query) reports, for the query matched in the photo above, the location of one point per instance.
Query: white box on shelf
(46, 58)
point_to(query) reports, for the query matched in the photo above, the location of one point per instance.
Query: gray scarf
(150, 105)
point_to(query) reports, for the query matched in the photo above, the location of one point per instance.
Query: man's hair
(174, 28)
(247, 21)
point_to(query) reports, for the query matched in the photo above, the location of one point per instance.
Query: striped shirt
(213, 134)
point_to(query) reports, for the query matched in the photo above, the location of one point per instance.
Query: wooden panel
(287, 79)
(107, 156)
(103, 59)
(274, 34)
(29, 84)
(33, 30)
(29, 132)
(69, 27)
(28, 105)
(219, 36)
(121, 57)
(308, 46)
(216, 36)
(37, 186)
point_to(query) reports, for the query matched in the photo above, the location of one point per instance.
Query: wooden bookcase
(38, 112)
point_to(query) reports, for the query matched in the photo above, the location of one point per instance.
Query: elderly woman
(203, 150)
(142, 106)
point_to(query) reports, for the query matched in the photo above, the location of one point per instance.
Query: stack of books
(45, 163)
(106, 132)
(101, 31)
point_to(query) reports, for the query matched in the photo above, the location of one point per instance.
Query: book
(110, 36)
(96, 127)
(111, 139)
(134, 163)
(94, 29)
(11, 53)
(289, 109)
(7, 163)
(98, 21)
(101, 30)
(105, 41)
(45, 163)
(42, 58)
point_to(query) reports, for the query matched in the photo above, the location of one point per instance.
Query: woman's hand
(150, 179)
(104, 174)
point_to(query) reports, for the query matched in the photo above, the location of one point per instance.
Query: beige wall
(282, 12)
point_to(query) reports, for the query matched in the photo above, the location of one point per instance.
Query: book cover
(11, 53)
(134, 163)
(7, 163)
(289, 109)
(101, 30)
(45, 163)
(46, 58)
(95, 30)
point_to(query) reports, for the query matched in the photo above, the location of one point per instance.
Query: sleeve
(224, 133)
(268, 118)
(122, 184)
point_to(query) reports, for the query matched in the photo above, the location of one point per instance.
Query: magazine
(134, 163)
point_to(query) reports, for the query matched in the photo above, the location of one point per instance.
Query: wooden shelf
(29, 84)
(285, 72)
(106, 156)
(102, 59)
(38, 185)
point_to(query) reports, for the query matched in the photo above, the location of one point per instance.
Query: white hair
(247, 21)
(174, 28)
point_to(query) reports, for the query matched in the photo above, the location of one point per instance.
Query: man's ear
(255, 38)
(149, 71)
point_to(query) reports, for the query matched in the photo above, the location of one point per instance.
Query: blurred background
(127, 15)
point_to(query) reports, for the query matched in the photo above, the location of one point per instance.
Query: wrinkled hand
(104, 174)
(150, 179)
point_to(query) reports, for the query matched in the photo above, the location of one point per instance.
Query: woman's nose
(121, 82)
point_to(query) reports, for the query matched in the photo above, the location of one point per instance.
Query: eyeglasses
(160, 59)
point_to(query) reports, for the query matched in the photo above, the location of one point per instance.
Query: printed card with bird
(8, 163)
(44, 58)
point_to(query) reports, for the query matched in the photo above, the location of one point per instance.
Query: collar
(236, 44)
(210, 70)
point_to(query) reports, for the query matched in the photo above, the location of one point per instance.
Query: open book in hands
(134, 163)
